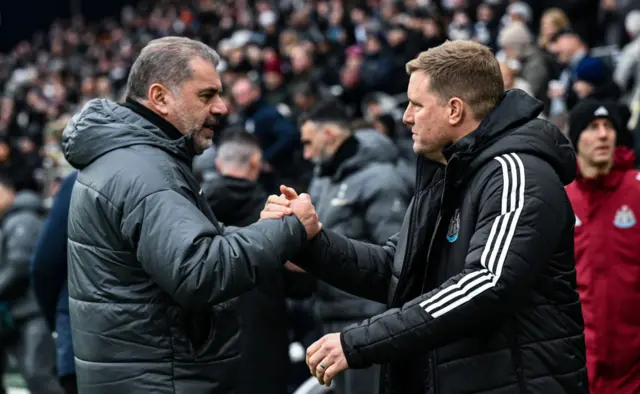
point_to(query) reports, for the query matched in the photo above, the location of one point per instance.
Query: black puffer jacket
(152, 274)
(481, 279)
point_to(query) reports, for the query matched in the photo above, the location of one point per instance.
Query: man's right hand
(289, 202)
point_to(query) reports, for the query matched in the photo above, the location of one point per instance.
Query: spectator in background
(510, 69)
(236, 198)
(487, 26)
(571, 51)
(49, 278)
(304, 98)
(377, 66)
(303, 68)
(358, 194)
(233, 192)
(593, 80)
(627, 72)
(606, 201)
(277, 135)
(552, 21)
(275, 92)
(515, 40)
(24, 334)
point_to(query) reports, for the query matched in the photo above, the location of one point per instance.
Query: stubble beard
(194, 128)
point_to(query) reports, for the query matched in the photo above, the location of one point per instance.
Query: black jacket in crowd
(152, 274)
(263, 343)
(480, 281)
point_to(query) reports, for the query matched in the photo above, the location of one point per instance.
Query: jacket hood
(513, 127)
(26, 200)
(373, 147)
(233, 200)
(103, 126)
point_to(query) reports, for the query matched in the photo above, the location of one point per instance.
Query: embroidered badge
(340, 199)
(624, 218)
(454, 227)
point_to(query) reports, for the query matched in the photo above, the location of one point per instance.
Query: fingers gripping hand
(306, 212)
(276, 207)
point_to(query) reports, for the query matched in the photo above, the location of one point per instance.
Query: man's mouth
(210, 124)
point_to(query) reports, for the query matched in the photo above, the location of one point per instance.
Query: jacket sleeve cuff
(287, 235)
(354, 357)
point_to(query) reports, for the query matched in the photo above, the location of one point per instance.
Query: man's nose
(219, 108)
(406, 117)
(603, 132)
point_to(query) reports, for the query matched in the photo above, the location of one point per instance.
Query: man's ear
(219, 165)
(160, 99)
(255, 161)
(456, 111)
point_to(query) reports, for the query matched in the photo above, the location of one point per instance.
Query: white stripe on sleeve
(495, 251)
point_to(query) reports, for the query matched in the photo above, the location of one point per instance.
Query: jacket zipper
(436, 230)
(434, 375)
(403, 271)
(516, 357)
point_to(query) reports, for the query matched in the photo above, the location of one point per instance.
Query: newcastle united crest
(454, 227)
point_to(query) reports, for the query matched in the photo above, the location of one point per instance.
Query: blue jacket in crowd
(49, 275)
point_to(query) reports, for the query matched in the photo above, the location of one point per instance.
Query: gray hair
(236, 153)
(166, 61)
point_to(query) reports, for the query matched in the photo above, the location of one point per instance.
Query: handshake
(290, 203)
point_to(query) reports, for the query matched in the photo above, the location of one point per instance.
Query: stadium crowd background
(297, 54)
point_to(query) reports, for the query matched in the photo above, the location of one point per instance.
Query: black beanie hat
(587, 111)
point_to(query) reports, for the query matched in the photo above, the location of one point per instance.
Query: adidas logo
(601, 111)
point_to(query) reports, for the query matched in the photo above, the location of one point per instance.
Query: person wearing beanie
(593, 80)
(589, 110)
(516, 42)
(606, 201)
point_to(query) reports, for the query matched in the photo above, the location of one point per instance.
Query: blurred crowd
(285, 62)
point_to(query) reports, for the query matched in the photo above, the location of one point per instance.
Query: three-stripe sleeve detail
(497, 245)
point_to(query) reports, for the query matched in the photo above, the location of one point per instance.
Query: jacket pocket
(199, 329)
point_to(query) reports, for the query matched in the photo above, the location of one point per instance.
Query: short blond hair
(558, 18)
(464, 69)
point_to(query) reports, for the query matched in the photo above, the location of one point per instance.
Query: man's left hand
(326, 359)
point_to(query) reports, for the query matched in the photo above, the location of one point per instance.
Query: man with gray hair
(152, 273)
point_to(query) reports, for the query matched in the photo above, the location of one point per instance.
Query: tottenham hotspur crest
(624, 218)
(454, 227)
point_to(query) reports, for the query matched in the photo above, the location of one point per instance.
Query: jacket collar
(169, 129)
(347, 150)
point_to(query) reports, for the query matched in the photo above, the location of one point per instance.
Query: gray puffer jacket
(152, 274)
(21, 225)
(365, 200)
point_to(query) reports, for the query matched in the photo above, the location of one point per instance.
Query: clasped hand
(290, 203)
(325, 357)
